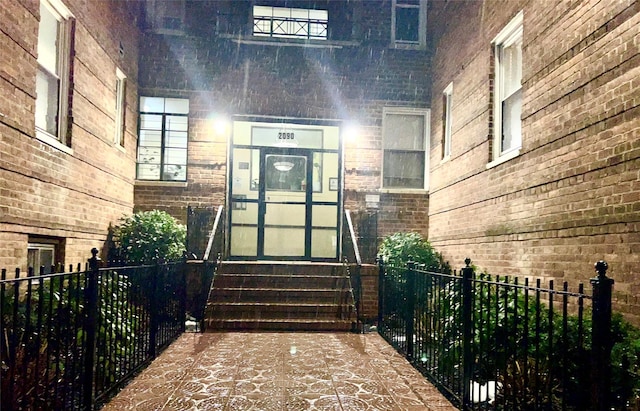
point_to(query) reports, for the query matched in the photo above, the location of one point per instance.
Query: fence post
(90, 328)
(467, 360)
(153, 311)
(601, 339)
(380, 291)
(410, 293)
(182, 316)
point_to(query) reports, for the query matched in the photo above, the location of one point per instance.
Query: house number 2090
(286, 136)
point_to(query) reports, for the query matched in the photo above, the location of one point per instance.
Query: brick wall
(572, 195)
(352, 82)
(45, 191)
(369, 306)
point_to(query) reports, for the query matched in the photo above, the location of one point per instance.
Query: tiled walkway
(280, 371)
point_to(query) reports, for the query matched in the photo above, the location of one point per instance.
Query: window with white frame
(285, 22)
(52, 76)
(447, 96)
(44, 252)
(409, 23)
(162, 140)
(404, 132)
(508, 90)
(121, 89)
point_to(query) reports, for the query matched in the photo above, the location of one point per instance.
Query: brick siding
(571, 197)
(353, 82)
(45, 191)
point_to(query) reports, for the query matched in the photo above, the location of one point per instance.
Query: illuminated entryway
(285, 197)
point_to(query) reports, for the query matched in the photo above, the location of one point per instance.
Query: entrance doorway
(284, 196)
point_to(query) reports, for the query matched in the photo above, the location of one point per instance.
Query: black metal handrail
(355, 273)
(352, 236)
(212, 235)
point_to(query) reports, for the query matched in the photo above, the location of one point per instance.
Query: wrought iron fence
(70, 340)
(499, 343)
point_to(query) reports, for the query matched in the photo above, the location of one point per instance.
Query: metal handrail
(216, 222)
(354, 241)
(357, 295)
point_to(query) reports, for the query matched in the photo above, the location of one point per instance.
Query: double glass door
(284, 203)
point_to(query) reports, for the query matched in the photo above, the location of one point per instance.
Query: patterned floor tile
(280, 371)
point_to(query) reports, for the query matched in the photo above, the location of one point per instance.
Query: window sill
(153, 183)
(407, 46)
(403, 191)
(504, 158)
(290, 42)
(167, 32)
(50, 140)
(119, 147)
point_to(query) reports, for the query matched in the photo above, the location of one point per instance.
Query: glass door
(284, 198)
(284, 204)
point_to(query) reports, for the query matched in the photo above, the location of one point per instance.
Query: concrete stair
(278, 296)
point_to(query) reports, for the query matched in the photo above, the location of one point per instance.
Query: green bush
(48, 327)
(399, 248)
(148, 236)
(544, 371)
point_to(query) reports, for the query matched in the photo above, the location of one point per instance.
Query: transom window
(287, 22)
(508, 89)
(163, 138)
(52, 76)
(404, 143)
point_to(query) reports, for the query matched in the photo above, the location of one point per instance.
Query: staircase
(278, 296)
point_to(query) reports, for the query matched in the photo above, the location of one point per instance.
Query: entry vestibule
(284, 191)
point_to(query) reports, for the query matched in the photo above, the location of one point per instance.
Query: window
(447, 95)
(287, 22)
(404, 142)
(44, 252)
(162, 143)
(508, 90)
(52, 76)
(409, 23)
(166, 16)
(121, 90)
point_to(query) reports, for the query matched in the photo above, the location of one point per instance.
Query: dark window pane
(407, 24)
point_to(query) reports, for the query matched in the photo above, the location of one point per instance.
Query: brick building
(68, 115)
(503, 131)
(559, 187)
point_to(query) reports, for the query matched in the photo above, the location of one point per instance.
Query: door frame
(263, 201)
(339, 151)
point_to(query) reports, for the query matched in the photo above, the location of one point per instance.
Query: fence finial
(601, 268)
(467, 261)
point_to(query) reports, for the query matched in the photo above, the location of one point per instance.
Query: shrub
(147, 236)
(399, 248)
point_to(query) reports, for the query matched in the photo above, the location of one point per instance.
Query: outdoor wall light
(220, 125)
(351, 132)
